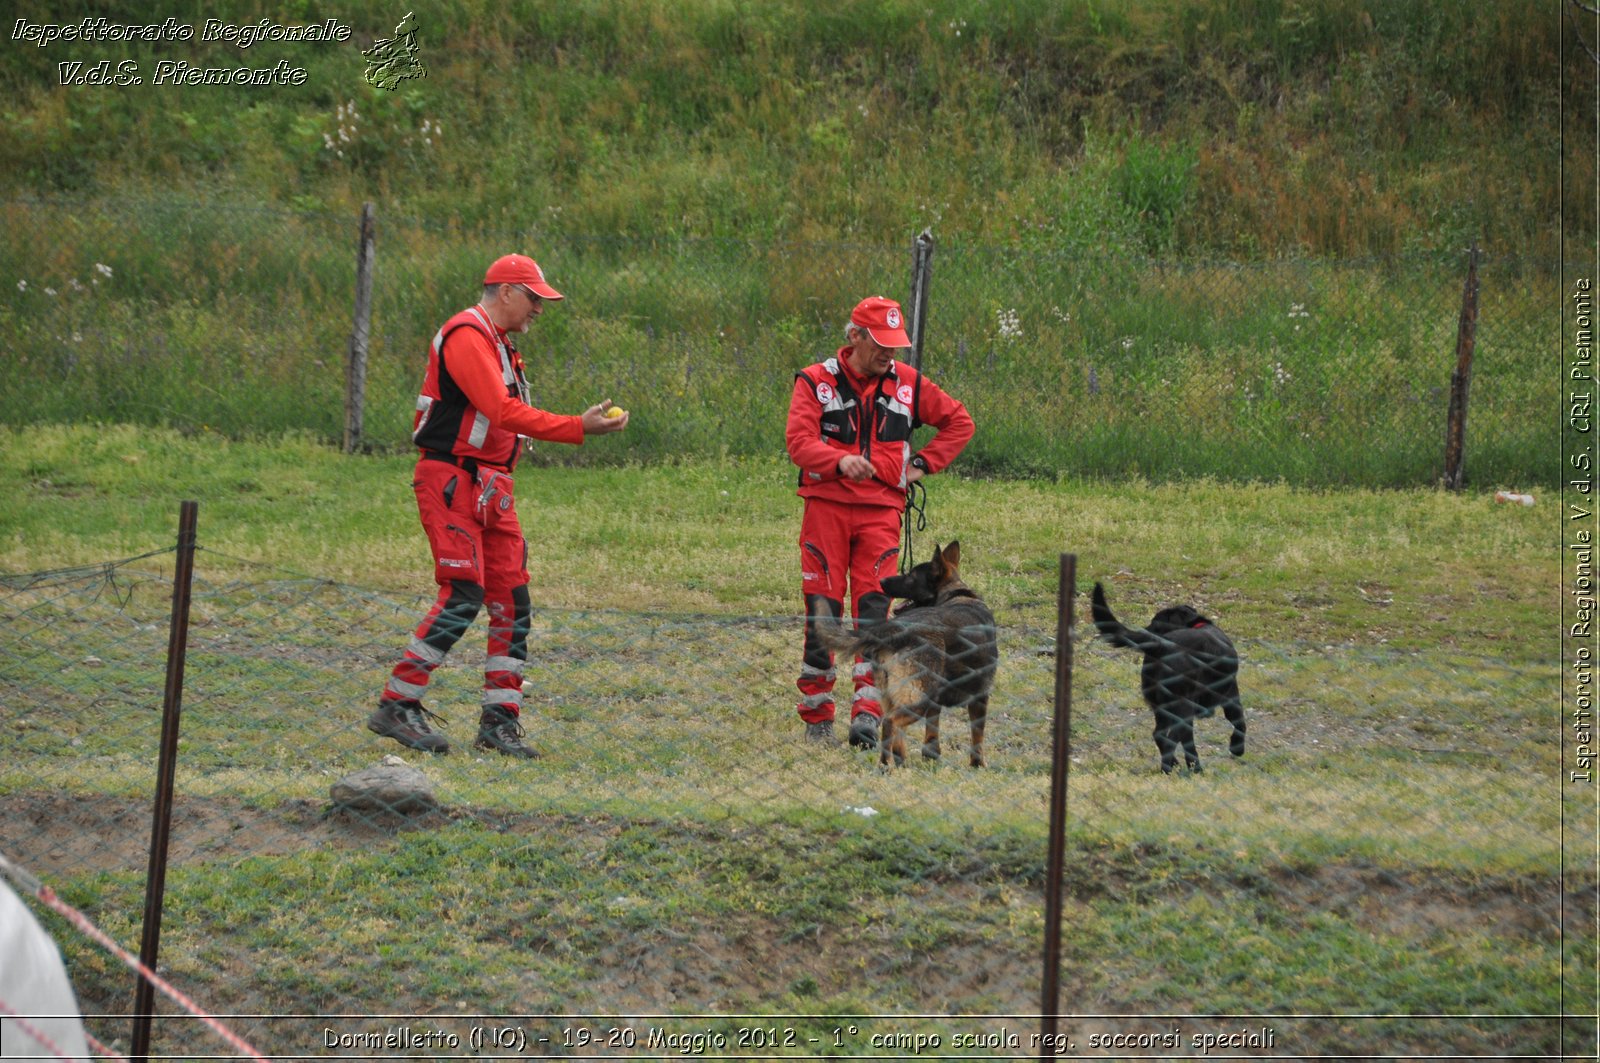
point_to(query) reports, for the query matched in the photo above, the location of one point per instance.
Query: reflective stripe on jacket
(474, 399)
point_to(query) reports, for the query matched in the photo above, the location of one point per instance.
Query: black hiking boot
(407, 723)
(864, 731)
(498, 730)
(820, 732)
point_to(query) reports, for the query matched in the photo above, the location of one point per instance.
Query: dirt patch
(1390, 902)
(58, 835)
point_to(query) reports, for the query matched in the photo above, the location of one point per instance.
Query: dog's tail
(836, 635)
(1118, 634)
(871, 636)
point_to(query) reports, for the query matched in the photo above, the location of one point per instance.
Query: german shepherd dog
(1190, 670)
(937, 652)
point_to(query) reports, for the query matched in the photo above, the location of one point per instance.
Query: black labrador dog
(1190, 670)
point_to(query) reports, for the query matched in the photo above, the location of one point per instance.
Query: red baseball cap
(881, 318)
(520, 269)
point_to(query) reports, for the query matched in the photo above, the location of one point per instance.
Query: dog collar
(1201, 623)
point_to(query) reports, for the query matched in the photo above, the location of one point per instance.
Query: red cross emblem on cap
(881, 318)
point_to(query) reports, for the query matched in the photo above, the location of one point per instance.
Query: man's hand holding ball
(604, 417)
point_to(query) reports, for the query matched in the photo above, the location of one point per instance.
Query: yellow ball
(615, 412)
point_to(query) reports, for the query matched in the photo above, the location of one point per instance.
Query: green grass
(1391, 846)
(714, 185)
(1406, 569)
(1313, 373)
(1200, 126)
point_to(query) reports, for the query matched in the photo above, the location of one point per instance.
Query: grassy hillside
(1235, 127)
(1213, 237)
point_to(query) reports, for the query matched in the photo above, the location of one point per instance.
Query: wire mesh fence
(680, 871)
(207, 315)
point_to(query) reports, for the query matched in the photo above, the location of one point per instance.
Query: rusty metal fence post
(166, 768)
(1061, 752)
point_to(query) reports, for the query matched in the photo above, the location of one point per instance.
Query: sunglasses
(529, 292)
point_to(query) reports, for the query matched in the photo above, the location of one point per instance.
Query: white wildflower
(1010, 324)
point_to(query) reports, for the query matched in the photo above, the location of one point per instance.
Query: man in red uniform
(472, 416)
(849, 431)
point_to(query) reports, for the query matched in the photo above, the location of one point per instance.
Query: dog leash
(916, 514)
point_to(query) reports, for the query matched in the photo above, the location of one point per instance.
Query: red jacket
(474, 400)
(826, 423)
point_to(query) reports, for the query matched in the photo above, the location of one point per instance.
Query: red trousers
(479, 558)
(843, 548)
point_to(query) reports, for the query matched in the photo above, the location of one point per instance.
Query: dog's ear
(951, 556)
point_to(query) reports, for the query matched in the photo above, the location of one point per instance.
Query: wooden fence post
(355, 390)
(1455, 475)
(917, 307)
